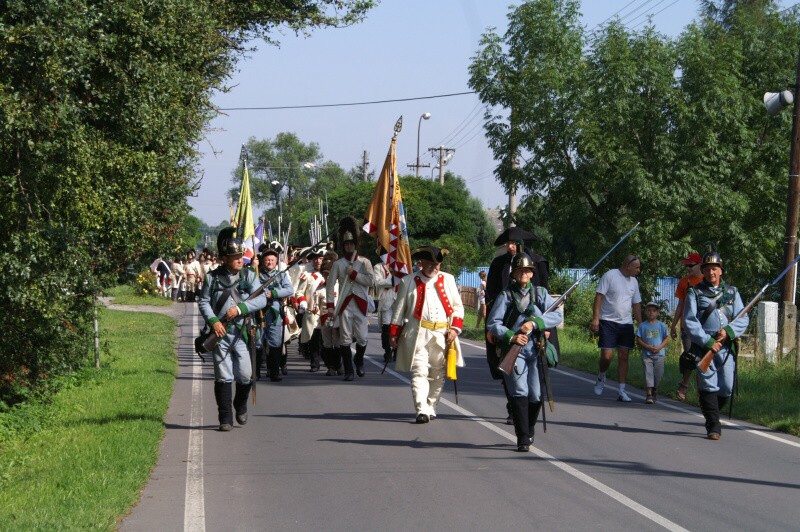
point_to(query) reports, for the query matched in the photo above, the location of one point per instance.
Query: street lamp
(424, 116)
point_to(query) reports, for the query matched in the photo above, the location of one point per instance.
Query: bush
(578, 306)
(145, 283)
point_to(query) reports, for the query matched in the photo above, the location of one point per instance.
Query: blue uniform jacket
(494, 322)
(215, 284)
(698, 299)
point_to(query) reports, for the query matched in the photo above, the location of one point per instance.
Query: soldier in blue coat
(517, 311)
(278, 286)
(224, 304)
(708, 313)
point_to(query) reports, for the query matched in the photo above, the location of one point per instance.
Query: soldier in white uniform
(354, 275)
(385, 292)
(428, 316)
(307, 286)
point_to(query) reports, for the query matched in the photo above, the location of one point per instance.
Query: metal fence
(665, 286)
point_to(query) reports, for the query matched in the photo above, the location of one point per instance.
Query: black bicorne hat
(431, 253)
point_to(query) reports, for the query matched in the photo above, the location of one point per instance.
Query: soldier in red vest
(428, 316)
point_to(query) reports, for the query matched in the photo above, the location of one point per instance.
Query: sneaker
(623, 397)
(599, 385)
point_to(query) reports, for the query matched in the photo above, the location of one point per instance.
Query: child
(652, 337)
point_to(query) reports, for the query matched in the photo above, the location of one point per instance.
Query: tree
(103, 106)
(617, 127)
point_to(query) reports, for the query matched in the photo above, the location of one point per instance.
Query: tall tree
(617, 126)
(103, 104)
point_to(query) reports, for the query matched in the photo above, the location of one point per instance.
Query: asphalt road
(320, 453)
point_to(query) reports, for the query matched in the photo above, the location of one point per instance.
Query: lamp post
(424, 116)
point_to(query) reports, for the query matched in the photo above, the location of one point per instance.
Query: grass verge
(124, 295)
(91, 448)
(765, 391)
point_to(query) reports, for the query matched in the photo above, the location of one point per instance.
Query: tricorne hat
(431, 253)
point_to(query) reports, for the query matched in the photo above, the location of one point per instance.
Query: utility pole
(789, 309)
(444, 155)
(365, 165)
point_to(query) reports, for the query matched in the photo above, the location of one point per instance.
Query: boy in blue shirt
(652, 337)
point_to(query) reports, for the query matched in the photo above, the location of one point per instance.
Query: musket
(507, 364)
(704, 363)
(211, 342)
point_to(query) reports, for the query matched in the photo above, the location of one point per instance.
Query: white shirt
(620, 294)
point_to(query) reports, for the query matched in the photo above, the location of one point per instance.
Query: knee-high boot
(222, 393)
(709, 405)
(533, 417)
(519, 406)
(347, 360)
(360, 351)
(240, 401)
(273, 364)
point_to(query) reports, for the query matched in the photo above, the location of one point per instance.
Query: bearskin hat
(349, 231)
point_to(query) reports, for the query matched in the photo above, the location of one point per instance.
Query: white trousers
(352, 325)
(428, 371)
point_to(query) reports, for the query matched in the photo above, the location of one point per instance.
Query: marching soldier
(384, 286)
(517, 311)
(192, 269)
(354, 275)
(307, 286)
(329, 326)
(709, 308)
(224, 305)
(428, 316)
(277, 287)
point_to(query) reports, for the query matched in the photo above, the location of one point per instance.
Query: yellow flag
(243, 220)
(385, 219)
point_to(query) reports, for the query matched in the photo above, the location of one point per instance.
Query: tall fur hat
(348, 231)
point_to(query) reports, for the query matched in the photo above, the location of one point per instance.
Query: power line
(655, 14)
(275, 108)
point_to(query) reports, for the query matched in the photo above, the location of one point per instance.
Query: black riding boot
(284, 358)
(533, 417)
(359, 360)
(519, 406)
(314, 349)
(347, 360)
(273, 364)
(709, 405)
(222, 393)
(240, 401)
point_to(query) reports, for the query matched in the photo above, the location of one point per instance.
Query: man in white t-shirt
(617, 295)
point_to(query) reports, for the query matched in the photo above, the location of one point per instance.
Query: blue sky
(404, 49)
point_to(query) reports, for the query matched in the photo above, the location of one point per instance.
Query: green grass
(91, 448)
(124, 295)
(767, 393)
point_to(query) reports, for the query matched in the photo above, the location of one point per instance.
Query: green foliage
(615, 127)
(102, 105)
(50, 474)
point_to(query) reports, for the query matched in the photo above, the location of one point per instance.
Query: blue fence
(665, 286)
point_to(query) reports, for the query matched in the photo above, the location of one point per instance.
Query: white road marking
(583, 477)
(194, 512)
(675, 407)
